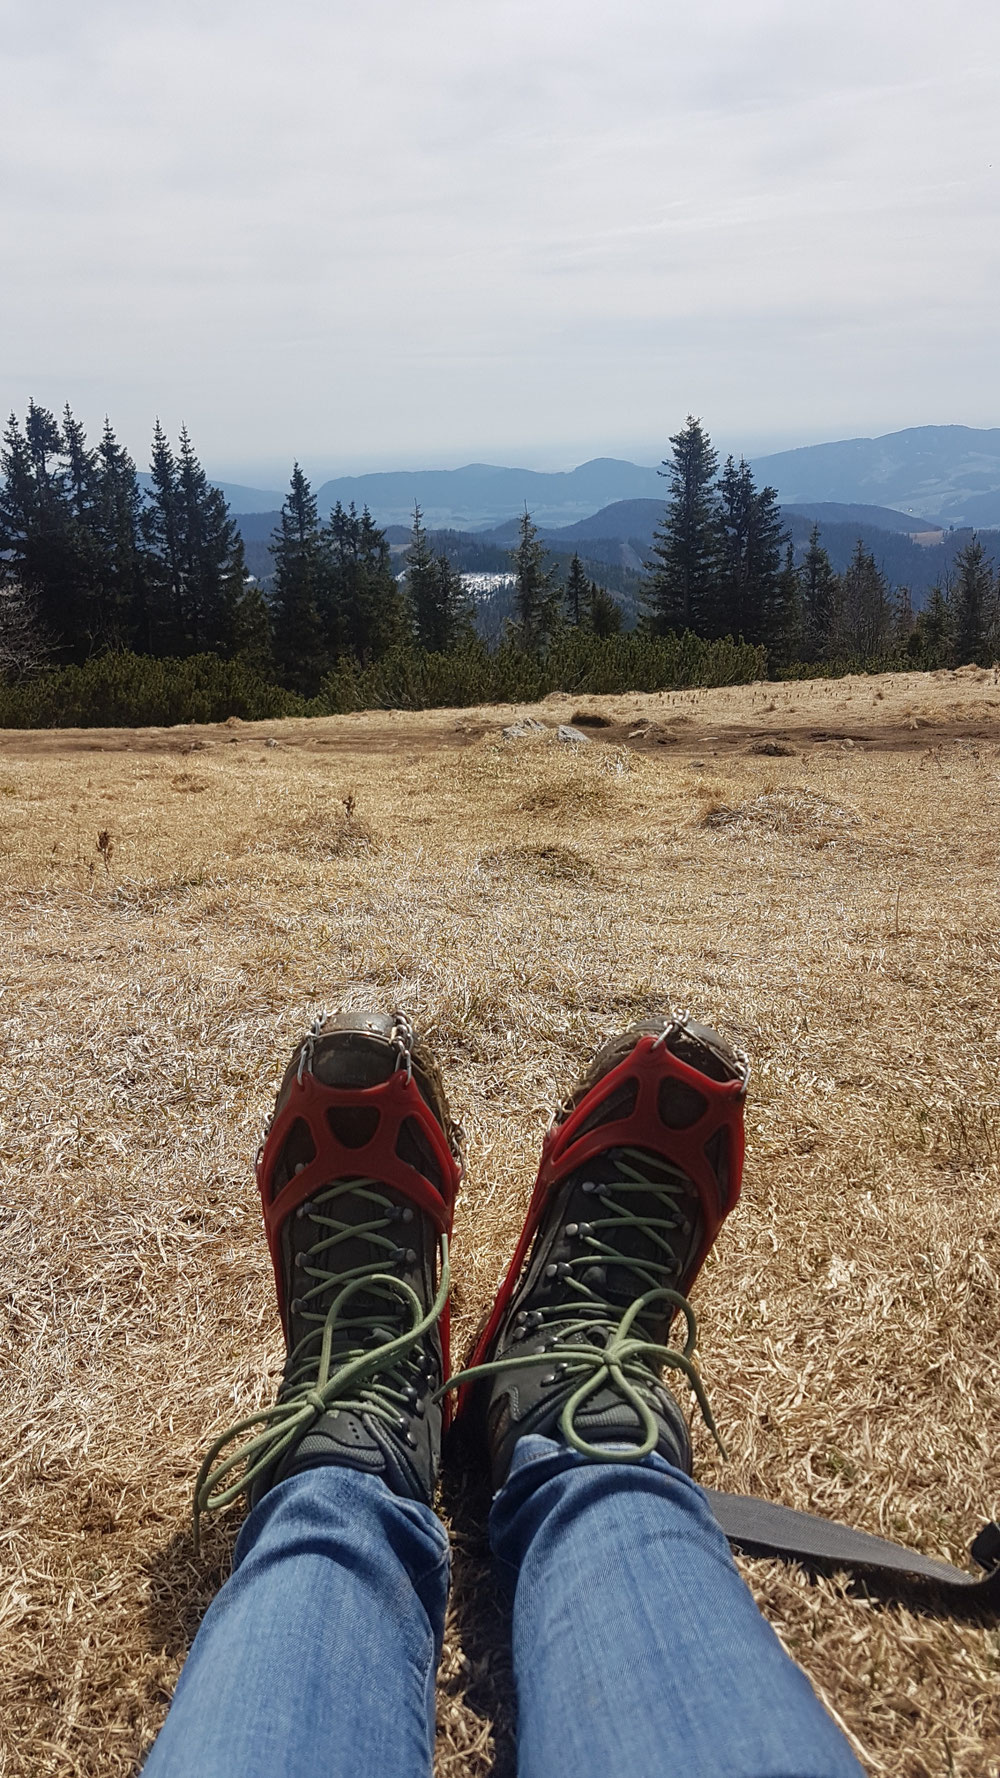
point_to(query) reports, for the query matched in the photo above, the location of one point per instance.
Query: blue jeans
(638, 1651)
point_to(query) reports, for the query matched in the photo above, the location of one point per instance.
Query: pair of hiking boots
(358, 1177)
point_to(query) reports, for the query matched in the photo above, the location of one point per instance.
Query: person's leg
(638, 1650)
(317, 1658)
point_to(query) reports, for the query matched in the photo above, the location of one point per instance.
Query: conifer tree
(439, 604)
(752, 599)
(300, 573)
(972, 603)
(863, 619)
(213, 565)
(46, 550)
(604, 614)
(118, 527)
(453, 607)
(364, 609)
(162, 529)
(935, 630)
(819, 589)
(536, 597)
(576, 593)
(683, 570)
(420, 583)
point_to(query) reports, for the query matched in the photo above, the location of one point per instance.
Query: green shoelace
(590, 1344)
(375, 1379)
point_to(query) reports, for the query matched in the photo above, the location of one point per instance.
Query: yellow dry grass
(833, 906)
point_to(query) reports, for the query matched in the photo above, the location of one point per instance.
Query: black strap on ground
(763, 1528)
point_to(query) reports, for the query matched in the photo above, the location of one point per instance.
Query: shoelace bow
(362, 1378)
(622, 1358)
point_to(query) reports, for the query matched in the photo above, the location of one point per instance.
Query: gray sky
(394, 235)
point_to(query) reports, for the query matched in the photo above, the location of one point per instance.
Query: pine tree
(536, 597)
(439, 604)
(935, 631)
(300, 645)
(455, 619)
(48, 551)
(972, 602)
(118, 527)
(213, 563)
(576, 593)
(604, 614)
(681, 591)
(364, 609)
(863, 619)
(819, 591)
(785, 641)
(249, 625)
(420, 583)
(162, 530)
(752, 598)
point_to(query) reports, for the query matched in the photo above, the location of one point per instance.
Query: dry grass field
(812, 867)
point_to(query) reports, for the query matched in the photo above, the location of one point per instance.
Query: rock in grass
(576, 736)
(527, 726)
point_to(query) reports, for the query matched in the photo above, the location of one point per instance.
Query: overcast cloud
(413, 235)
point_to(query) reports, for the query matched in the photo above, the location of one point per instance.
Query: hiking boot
(358, 1175)
(641, 1166)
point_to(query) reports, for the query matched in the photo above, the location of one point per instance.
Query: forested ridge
(120, 603)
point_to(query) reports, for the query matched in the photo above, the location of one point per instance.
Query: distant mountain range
(927, 476)
(950, 473)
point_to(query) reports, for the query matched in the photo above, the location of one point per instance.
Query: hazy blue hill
(883, 518)
(256, 527)
(481, 495)
(240, 500)
(951, 473)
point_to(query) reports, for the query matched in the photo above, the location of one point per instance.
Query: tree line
(93, 564)
(722, 564)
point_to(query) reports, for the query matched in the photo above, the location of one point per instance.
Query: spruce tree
(863, 620)
(819, 590)
(972, 602)
(47, 552)
(162, 531)
(935, 631)
(118, 526)
(214, 569)
(439, 604)
(683, 570)
(300, 575)
(364, 609)
(420, 583)
(453, 607)
(752, 599)
(604, 614)
(536, 597)
(576, 593)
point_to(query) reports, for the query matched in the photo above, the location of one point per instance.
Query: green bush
(576, 662)
(137, 691)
